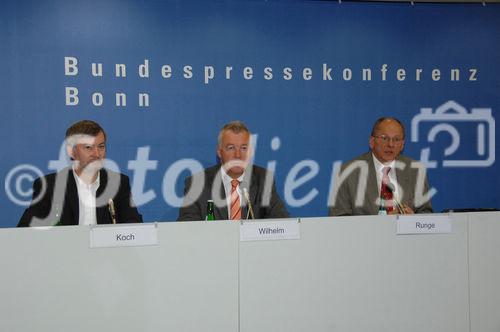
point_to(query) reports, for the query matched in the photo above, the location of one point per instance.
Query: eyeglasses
(386, 139)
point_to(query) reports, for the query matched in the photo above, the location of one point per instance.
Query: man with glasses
(238, 189)
(85, 193)
(381, 181)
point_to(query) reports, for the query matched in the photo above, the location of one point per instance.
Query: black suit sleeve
(40, 205)
(268, 204)
(276, 208)
(126, 211)
(191, 209)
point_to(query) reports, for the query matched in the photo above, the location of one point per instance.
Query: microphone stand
(111, 207)
(247, 198)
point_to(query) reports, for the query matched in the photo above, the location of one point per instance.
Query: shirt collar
(379, 166)
(82, 183)
(227, 179)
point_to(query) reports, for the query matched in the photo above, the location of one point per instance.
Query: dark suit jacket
(407, 180)
(266, 203)
(61, 191)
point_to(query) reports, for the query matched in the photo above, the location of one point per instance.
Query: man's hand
(402, 209)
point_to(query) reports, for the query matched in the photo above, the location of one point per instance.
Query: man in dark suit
(85, 193)
(382, 180)
(236, 187)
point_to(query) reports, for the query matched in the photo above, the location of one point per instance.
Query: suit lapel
(253, 191)
(221, 211)
(403, 179)
(71, 201)
(372, 190)
(102, 213)
(213, 178)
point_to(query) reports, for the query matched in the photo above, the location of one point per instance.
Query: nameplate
(415, 224)
(270, 230)
(123, 236)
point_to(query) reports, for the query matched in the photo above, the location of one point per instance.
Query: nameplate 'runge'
(423, 224)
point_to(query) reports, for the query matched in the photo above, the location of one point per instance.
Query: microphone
(398, 205)
(247, 198)
(112, 211)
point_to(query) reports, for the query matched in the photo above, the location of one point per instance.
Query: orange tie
(235, 201)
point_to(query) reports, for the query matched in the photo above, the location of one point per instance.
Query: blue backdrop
(308, 77)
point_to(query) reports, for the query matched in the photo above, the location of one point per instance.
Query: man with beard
(382, 180)
(233, 185)
(85, 193)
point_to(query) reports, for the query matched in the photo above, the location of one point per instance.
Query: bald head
(387, 139)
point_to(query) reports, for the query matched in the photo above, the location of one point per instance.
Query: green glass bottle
(210, 210)
(57, 221)
(381, 208)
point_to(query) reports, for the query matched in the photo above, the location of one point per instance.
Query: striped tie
(235, 201)
(385, 192)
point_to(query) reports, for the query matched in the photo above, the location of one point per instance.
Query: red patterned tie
(385, 192)
(235, 201)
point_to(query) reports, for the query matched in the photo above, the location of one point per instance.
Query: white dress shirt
(87, 200)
